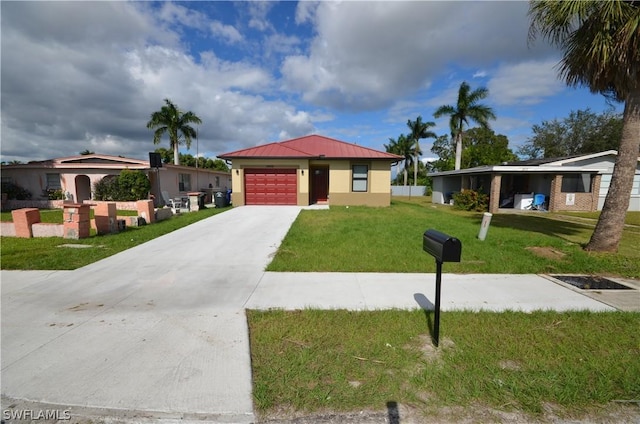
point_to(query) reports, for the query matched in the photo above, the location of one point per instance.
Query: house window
(217, 181)
(635, 188)
(184, 182)
(53, 182)
(577, 183)
(360, 177)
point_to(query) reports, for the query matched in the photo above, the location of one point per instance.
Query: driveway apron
(159, 328)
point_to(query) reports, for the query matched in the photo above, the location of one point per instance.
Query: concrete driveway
(158, 332)
(157, 329)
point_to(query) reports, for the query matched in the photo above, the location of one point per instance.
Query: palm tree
(419, 130)
(392, 147)
(601, 44)
(467, 108)
(169, 119)
(402, 147)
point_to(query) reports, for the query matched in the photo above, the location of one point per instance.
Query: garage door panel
(271, 186)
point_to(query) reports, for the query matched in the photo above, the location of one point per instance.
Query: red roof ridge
(326, 147)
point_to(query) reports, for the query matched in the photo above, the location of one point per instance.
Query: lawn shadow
(428, 308)
(540, 224)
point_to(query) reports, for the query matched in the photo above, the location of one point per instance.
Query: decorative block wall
(76, 221)
(23, 219)
(105, 218)
(146, 210)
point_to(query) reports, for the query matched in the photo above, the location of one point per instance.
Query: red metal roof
(311, 146)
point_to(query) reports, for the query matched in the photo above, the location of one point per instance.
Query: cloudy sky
(87, 75)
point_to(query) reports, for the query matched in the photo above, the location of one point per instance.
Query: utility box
(441, 246)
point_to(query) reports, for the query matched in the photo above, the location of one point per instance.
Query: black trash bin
(221, 199)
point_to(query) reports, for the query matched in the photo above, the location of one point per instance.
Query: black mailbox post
(443, 248)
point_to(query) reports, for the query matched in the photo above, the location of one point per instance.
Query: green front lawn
(574, 362)
(44, 253)
(362, 239)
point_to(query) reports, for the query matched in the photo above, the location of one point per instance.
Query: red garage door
(270, 186)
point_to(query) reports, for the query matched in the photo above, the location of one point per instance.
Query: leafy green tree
(172, 121)
(419, 130)
(601, 45)
(582, 132)
(481, 146)
(165, 154)
(467, 108)
(484, 147)
(444, 149)
(218, 164)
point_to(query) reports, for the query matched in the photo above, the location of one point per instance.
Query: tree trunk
(608, 232)
(415, 171)
(405, 176)
(458, 150)
(176, 157)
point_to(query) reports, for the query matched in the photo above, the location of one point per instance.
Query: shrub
(128, 186)
(134, 185)
(15, 192)
(471, 200)
(106, 188)
(55, 194)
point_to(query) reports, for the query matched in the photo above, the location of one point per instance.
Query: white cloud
(258, 11)
(65, 90)
(525, 83)
(366, 54)
(227, 32)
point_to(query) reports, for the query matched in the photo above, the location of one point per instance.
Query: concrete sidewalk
(370, 291)
(158, 332)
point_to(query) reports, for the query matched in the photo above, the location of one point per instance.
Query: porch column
(494, 194)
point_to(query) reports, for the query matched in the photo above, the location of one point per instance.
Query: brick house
(576, 183)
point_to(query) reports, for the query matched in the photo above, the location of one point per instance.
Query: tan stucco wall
(340, 176)
(360, 199)
(378, 187)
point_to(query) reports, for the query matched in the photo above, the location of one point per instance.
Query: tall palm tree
(402, 147)
(171, 120)
(467, 108)
(392, 147)
(601, 45)
(419, 130)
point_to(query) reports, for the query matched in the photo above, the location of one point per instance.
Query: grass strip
(311, 360)
(43, 253)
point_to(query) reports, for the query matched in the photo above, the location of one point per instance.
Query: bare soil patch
(547, 252)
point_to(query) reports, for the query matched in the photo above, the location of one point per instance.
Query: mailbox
(441, 246)
(445, 249)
